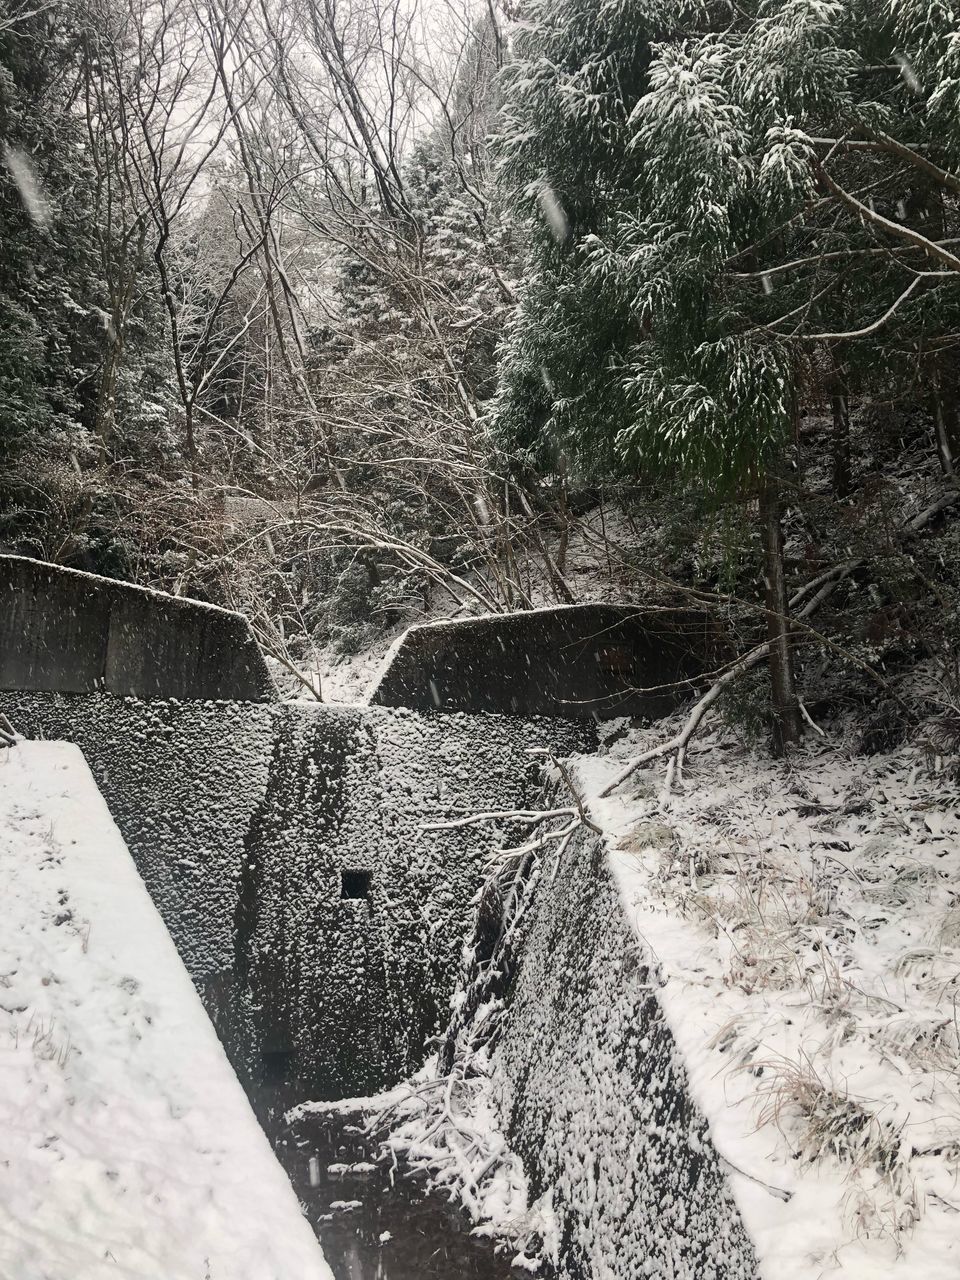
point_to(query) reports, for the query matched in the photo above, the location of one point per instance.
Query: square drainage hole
(355, 884)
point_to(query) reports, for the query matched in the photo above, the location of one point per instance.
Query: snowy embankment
(805, 920)
(127, 1146)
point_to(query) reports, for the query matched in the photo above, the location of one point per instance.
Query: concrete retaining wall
(583, 660)
(249, 824)
(594, 1096)
(75, 632)
(243, 819)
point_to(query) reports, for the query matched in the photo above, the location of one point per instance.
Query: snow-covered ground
(805, 917)
(127, 1146)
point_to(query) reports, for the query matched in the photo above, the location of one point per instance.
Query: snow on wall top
(61, 629)
(102, 581)
(127, 1147)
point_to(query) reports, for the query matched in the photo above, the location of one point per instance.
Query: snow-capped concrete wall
(249, 822)
(594, 1096)
(127, 1147)
(76, 632)
(579, 660)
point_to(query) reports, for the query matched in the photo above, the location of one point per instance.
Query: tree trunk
(186, 393)
(107, 396)
(946, 420)
(787, 725)
(840, 408)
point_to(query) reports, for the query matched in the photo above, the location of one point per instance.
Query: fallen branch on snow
(8, 735)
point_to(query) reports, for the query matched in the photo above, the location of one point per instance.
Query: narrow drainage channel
(372, 1227)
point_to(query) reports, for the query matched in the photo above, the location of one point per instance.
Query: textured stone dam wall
(250, 822)
(76, 632)
(608, 660)
(594, 1096)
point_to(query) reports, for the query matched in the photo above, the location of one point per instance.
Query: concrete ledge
(127, 1147)
(573, 661)
(71, 632)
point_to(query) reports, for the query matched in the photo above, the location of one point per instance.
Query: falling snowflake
(25, 179)
(554, 214)
(910, 78)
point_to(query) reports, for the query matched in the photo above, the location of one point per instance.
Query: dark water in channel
(372, 1228)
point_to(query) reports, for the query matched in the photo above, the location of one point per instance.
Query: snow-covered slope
(127, 1147)
(804, 919)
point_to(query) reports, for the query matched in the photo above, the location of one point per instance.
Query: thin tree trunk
(840, 408)
(946, 420)
(107, 395)
(186, 395)
(787, 723)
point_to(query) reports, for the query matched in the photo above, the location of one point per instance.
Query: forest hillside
(355, 315)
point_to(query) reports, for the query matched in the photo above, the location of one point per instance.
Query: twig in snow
(529, 817)
(779, 1192)
(8, 735)
(564, 773)
(809, 719)
(677, 747)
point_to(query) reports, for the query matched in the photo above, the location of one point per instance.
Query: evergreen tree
(49, 294)
(566, 149)
(620, 359)
(81, 383)
(728, 219)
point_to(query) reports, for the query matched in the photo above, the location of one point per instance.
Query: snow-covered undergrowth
(447, 1128)
(127, 1147)
(805, 917)
(443, 1128)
